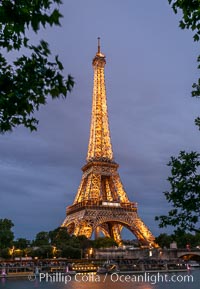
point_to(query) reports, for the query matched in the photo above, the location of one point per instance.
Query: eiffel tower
(101, 203)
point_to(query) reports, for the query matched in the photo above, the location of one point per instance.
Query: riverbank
(10, 269)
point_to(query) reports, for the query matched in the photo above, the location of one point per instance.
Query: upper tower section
(100, 147)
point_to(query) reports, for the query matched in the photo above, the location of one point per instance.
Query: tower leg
(116, 233)
(97, 233)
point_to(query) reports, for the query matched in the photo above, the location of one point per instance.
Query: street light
(90, 251)
(11, 252)
(54, 251)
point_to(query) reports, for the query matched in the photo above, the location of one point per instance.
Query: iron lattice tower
(101, 203)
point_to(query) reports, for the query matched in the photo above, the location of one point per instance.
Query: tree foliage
(41, 239)
(43, 251)
(6, 234)
(164, 240)
(71, 252)
(190, 20)
(59, 236)
(181, 238)
(190, 15)
(184, 195)
(26, 81)
(103, 242)
(21, 243)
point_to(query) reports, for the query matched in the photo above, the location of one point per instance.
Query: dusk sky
(151, 65)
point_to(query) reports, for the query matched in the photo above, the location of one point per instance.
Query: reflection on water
(114, 281)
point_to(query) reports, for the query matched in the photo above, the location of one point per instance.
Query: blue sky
(151, 65)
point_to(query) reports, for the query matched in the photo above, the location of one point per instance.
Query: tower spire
(99, 47)
(100, 147)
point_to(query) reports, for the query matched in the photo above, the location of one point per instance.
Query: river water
(179, 280)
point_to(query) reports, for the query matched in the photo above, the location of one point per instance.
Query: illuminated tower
(101, 203)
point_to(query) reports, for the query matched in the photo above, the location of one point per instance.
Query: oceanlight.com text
(151, 278)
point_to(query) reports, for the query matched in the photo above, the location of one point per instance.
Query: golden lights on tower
(101, 203)
(99, 143)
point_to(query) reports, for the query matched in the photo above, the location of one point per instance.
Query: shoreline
(71, 267)
(32, 275)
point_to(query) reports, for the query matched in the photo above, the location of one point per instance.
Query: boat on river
(108, 267)
(16, 272)
(193, 264)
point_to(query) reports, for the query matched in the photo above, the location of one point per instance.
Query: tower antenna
(99, 45)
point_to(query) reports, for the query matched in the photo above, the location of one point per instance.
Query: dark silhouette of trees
(34, 74)
(190, 20)
(6, 234)
(184, 194)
